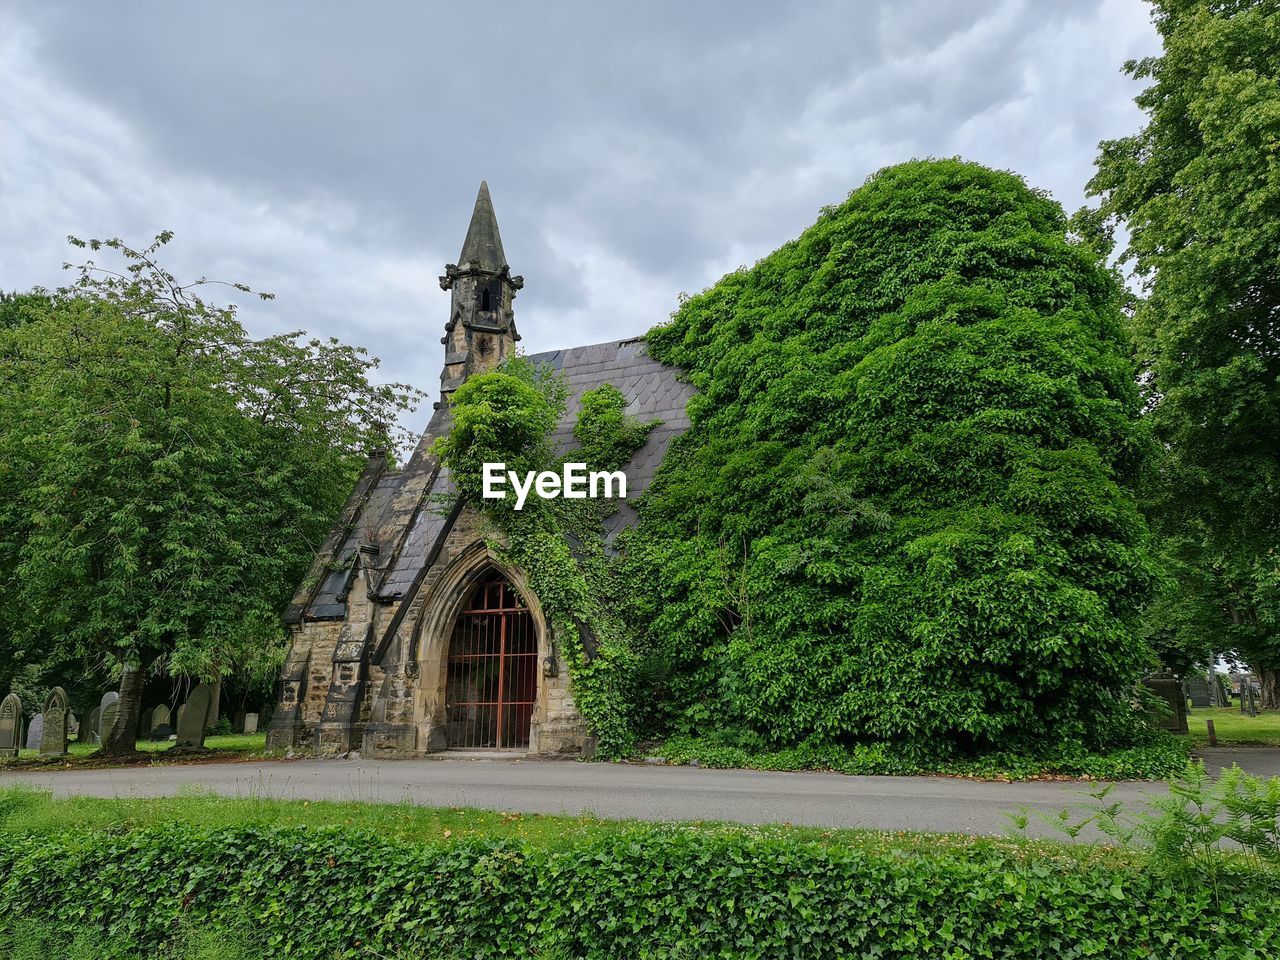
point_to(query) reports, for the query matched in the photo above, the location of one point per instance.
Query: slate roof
(407, 513)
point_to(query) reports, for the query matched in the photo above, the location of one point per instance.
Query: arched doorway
(491, 678)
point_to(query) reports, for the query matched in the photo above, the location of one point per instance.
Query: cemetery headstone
(104, 726)
(144, 724)
(10, 726)
(109, 714)
(178, 716)
(1200, 692)
(161, 733)
(53, 739)
(191, 719)
(89, 726)
(160, 718)
(1166, 686)
(35, 732)
(1221, 696)
(250, 723)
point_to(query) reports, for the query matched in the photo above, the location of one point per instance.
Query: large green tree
(904, 511)
(1198, 189)
(164, 477)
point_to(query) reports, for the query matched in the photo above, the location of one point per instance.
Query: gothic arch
(444, 601)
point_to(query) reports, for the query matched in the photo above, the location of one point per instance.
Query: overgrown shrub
(904, 512)
(661, 891)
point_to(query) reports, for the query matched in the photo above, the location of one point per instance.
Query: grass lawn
(25, 811)
(1235, 728)
(248, 744)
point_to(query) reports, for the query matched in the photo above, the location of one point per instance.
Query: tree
(164, 477)
(1198, 190)
(905, 511)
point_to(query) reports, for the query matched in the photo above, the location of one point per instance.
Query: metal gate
(492, 680)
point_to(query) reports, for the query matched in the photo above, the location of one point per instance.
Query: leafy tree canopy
(1198, 189)
(164, 477)
(904, 511)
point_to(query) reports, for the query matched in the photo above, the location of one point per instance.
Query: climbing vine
(507, 416)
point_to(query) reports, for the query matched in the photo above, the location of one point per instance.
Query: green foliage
(1197, 192)
(164, 477)
(508, 416)
(606, 436)
(904, 513)
(644, 891)
(1185, 832)
(505, 416)
(1159, 758)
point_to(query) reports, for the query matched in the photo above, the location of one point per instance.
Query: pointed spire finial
(483, 243)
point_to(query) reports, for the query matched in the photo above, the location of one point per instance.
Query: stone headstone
(160, 718)
(104, 725)
(144, 723)
(1174, 715)
(191, 719)
(161, 733)
(89, 726)
(1199, 691)
(1221, 697)
(35, 732)
(250, 723)
(53, 739)
(178, 715)
(109, 714)
(10, 726)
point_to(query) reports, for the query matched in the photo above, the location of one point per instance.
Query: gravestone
(191, 719)
(1221, 695)
(160, 718)
(89, 726)
(181, 712)
(1199, 691)
(109, 714)
(161, 733)
(250, 723)
(10, 726)
(53, 738)
(109, 699)
(35, 732)
(1166, 686)
(144, 724)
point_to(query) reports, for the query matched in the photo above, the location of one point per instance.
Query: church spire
(484, 243)
(482, 326)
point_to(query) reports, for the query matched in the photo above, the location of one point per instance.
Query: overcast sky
(330, 153)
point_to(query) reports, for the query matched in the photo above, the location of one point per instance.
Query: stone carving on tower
(482, 328)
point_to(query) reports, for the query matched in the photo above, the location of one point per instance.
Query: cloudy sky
(331, 152)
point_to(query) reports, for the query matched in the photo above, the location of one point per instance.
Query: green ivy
(643, 892)
(904, 512)
(507, 416)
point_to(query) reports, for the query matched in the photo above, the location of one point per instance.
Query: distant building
(408, 635)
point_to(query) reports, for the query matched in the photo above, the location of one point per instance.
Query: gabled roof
(408, 512)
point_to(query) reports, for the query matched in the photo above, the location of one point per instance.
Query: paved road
(612, 790)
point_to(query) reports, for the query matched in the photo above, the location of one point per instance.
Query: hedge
(661, 891)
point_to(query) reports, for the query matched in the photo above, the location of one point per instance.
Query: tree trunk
(1269, 677)
(122, 737)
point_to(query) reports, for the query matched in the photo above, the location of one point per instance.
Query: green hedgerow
(659, 891)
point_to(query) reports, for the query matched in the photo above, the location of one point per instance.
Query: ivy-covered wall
(903, 514)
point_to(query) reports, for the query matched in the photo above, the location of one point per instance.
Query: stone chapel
(408, 636)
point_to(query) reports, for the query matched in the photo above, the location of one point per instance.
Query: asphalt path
(624, 791)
